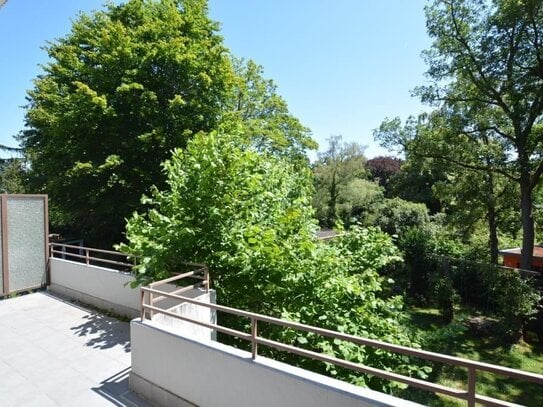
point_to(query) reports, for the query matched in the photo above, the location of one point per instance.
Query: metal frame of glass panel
(4, 235)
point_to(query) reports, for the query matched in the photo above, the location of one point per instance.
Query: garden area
(473, 335)
(477, 311)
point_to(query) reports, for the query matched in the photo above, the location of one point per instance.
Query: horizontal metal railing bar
(99, 259)
(92, 250)
(422, 384)
(178, 291)
(318, 356)
(176, 277)
(216, 307)
(232, 332)
(532, 377)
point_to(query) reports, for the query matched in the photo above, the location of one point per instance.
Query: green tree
(395, 216)
(357, 202)
(229, 206)
(468, 189)
(472, 198)
(487, 68)
(263, 115)
(121, 90)
(12, 176)
(12, 171)
(383, 168)
(334, 170)
(247, 214)
(418, 173)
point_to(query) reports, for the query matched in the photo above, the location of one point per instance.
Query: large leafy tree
(334, 171)
(467, 188)
(471, 198)
(486, 64)
(418, 173)
(121, 90)
(12, 171)
(228, 206)
(383, 168)
(247, 214)
(262, 114)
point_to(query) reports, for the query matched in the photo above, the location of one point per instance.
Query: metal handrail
(87, 256)
(71, 246)
(200, 271)
(473, 367)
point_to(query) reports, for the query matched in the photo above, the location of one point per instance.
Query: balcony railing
(198, 272)
(89, 256)
(469, 394)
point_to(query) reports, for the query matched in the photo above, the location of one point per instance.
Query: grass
(481, 345)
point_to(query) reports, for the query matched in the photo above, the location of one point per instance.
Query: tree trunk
(492, 218)
(331, 216)
(527, 218)
(493, 235)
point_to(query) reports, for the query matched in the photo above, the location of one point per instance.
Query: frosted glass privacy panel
(26, 242)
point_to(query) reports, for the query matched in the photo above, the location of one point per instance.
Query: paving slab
(54, 352)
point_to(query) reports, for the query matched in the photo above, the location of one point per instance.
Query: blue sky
(342, 65)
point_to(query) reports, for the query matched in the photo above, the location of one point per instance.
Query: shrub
(396, 216)
(247, 215)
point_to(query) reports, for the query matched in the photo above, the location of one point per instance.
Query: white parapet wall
(173, 368)
(110, 289)
(189, 310)
(98, 286)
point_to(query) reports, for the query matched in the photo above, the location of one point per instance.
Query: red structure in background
(511, 258)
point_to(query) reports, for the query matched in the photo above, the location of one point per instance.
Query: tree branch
(472, 167)
(486, 87)
(536, 176)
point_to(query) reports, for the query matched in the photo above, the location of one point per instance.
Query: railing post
(87, 256)
(142, 300)
(472, 377)
(254, 333)
(206, 278)
(151, 302)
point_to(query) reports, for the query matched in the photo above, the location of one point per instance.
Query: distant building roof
(326, 234)
(517, 251)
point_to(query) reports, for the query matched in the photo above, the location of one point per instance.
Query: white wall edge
(208, 373)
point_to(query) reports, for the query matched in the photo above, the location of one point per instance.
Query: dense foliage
(247, 215)
(255, 107)
(395, 216)
(486, 71)
(120, 91)
(125, 87)
(439, 272)
(383, 168)
(336, 173)
(12, 173)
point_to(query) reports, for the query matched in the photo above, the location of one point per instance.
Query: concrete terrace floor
(55, 353)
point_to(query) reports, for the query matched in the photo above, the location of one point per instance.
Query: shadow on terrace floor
(101, 331)
(115, 390)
